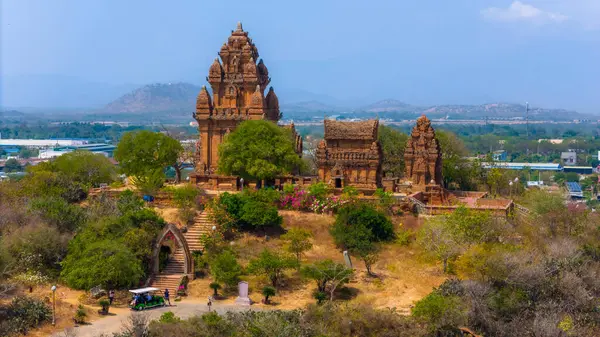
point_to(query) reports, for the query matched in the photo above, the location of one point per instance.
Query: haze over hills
(176, 101)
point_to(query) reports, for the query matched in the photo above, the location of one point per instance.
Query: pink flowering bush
(328, 204)
(297, 199)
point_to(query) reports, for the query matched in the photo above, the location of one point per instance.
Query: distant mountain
(11, 114)
(308, 109)
(153, 98)
(499, 110)
(387, 105)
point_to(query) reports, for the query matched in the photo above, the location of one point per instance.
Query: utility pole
(527, 125)
(527, 118)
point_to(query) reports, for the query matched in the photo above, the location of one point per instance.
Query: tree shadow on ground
(347, 293)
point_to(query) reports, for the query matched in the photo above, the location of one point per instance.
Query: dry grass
(403, 277)
(67, 301)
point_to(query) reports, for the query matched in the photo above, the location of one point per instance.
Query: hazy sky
(421, 52)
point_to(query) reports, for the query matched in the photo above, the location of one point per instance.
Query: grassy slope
(404, 277)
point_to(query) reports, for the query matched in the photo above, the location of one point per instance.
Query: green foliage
(455, 171)
(35, 248)
(297, 241)
(129, 202)
(314, 321)
(105, 305)
(169, 317)
(441, 313)
(89, 169)
(225, 269)
(319, 191)
(80, 315)
(272, 265)
(379, 227)
(150, 182)
(215, 286)
(328, 275)
(256, 214)
(392, 143)
(40, 182)
(358, 228)
(258, 150)
(185, 196)
(105, 263)
(267, 292)
(58, 213)
(385, 200)
(23, 314)
(562, 177)
(12, 165)
(144, 152)
(244, 211)
(320, 296)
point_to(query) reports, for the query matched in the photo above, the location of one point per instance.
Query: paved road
(109, 325)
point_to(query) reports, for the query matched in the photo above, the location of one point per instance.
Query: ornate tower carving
(238, 84)
(422, 156)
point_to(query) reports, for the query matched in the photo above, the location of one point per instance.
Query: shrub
(36, 249)
(80, 315)
(267, 292)
(297, 199)
(185, 196)
(319, 190)
(225, 269)
(298, 241)
(58, 213)
(105, 305)
(272, 265)
(441, 313)
(320, 296)
(22, 314)
(215, 286)
(108, 263)
(169, 317)
(256, 214)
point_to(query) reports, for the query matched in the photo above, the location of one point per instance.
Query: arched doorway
(171, 242)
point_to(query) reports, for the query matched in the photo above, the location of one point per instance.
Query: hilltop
(158, 97)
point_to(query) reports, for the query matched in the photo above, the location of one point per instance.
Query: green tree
(256, 214)
(272, 265)
(107, 263)
(258, 150)
(12, 165)
(441, 313)
(297, 241)
(438, 240)
(35, 248)
(215, 286)
(87, 168)
(225, 269)
(328, 275)
(392, 143)
(454, 168)
(58, 213)
(142, 153)
(358, 228)
(267, 292)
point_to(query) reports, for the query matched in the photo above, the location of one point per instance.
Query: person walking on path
(167, 296)
(111, 297)
(209, 304)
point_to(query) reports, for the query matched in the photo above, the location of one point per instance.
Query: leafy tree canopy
(142, 152)
(272, 265)
(258, 150)
(392, 144)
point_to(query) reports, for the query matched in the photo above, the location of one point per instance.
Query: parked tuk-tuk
(144, 298)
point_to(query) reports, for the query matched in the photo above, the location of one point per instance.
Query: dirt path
(110, 324)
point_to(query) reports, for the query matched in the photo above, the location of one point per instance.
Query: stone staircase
(164, 281)
(202, 225)
(170, 277)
